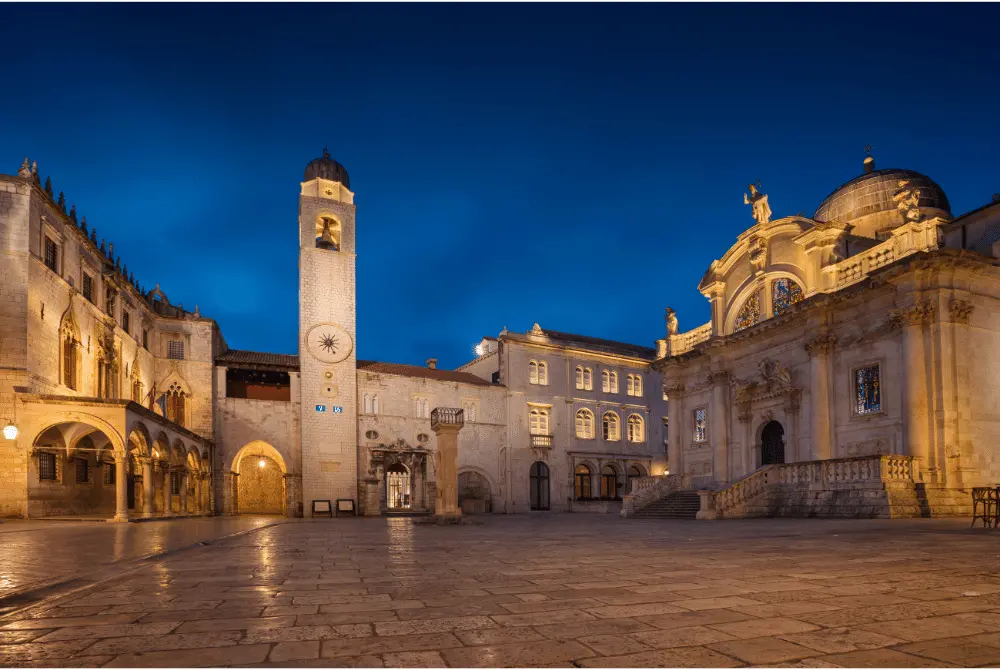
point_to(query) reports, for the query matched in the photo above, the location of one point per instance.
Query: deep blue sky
(575, 165)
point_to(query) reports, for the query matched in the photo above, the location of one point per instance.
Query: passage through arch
(772, 444)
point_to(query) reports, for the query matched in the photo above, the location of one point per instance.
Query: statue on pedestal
(758, 200)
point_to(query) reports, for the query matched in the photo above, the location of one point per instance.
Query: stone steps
(679, 505)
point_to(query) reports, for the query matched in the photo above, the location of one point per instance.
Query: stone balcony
(447, 417)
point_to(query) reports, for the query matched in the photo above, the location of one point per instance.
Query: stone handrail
(646, 490)
(826, 474)
(684, 342)
(907, 239)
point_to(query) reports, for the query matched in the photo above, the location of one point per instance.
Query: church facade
(870, 329)
(116, 402)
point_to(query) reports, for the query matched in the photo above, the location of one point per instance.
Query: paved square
(560, 590)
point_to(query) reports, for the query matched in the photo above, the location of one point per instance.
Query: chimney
(432, 363)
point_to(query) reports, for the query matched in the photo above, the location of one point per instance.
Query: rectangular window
(175, 349)
(82, 471)
(109, 474)
(125, 324)
(88, 287)
(538, 421)
(699, 425)
(175, 483)
(51, 255)
(868, 389)
(145, 339)
(47, 466)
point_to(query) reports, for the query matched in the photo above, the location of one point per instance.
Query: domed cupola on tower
(328, 179)
(880, 200)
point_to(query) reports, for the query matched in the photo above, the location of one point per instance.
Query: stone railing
(684, 342)
(838, 474)
(906, 239)
(646, 490)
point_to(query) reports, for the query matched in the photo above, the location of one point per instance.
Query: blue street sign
(338, 410)
(320, 408)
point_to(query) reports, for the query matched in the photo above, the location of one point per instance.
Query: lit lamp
(262, 463)
(10, 431)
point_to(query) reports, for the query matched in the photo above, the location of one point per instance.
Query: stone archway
(259, 471)
(474, 494)
(772, 444)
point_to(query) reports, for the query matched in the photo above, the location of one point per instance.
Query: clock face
(328, 342)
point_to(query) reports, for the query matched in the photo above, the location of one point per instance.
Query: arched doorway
(539, 494)
(259, 480)
(397, 487)
(474, 493)
(772, 444)
(609, 483)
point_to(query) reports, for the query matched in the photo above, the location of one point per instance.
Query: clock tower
(327, 327)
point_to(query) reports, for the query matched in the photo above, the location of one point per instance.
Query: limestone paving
(536, 591)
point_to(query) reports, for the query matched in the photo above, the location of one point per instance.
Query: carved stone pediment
(773, 380)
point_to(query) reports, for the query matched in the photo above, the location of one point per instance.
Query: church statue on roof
(761, 210)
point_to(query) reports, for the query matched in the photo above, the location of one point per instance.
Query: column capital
(960, 310)
(719, 377)
(821, 344)
(918, 314)
(673, 388)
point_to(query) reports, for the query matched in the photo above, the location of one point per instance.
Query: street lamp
(10, 431)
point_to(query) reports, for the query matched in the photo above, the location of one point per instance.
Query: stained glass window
(699, 425)
(784, 294)
(749, 313)
(867, 385)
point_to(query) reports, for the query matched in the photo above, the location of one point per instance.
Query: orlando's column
(446, 422)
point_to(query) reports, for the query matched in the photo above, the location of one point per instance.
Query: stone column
(749, 448)
(916, 420)
(184, 492)
(820, 395)
(675, 451)
(121, 494)
(371, 496)
(418, 483)
(959, 412)
(148, 488)
(446, 423)
(720, 425)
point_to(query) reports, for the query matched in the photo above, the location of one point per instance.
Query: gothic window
(421, 408)
(88, 287)
(699, 425)
(582, 482)
(47, 466)
(609, 483)
(749, 313)
(538, 421)
(175, 349)
(367, 404)
(69, 360)
(469, 411)
(375, 404)
(585, 424)
(636, 429)
(82, 471)
(614, 382)
(784, 294)
(868, 389)
(51, 255)
(176, 401)
(610, 427)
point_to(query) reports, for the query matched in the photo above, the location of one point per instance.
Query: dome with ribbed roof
(867, 202)
(327, 168)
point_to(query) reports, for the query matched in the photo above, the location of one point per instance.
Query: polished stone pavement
(560, 590)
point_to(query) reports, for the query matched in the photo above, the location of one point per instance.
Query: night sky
(575, 165)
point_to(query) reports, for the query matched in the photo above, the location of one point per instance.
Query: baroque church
(117, 403)
(850, 365)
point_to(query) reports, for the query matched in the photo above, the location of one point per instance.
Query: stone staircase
(678, 505)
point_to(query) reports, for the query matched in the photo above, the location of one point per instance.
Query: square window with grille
(47, 466)
(868, 389)
(125, 323)
(175, 483)
(82, 471)
(88, 287)
(51, 254)
(109, 474)
(175, 349)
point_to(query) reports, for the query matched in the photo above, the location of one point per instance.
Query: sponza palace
(849, 368)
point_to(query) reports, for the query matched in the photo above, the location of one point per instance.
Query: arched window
(629, 385)
(636, 429)
(69, 360)
(533, 372)
(637, 385)
(539, 494)
(538, 421)
(614, 382)
(606, 381)
(784, 293)
(631, 475)
(375, 404)
(328, 233)
(176, 400)
(543, 373)
(585, 424)
(749, 313)
(609, 483)
(469, 411)
(588, 379)
(367, 404)
(612, 432)
(582, 482)
(579, 376)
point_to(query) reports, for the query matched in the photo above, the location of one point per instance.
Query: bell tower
(327, 328)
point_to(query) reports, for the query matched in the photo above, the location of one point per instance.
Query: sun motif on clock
(328, 342)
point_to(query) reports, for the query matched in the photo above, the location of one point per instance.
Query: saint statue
(907, 201)
(671, 322)
(758, 200)
(25, 169)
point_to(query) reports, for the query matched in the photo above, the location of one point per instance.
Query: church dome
(327, 168)
(867, 201)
